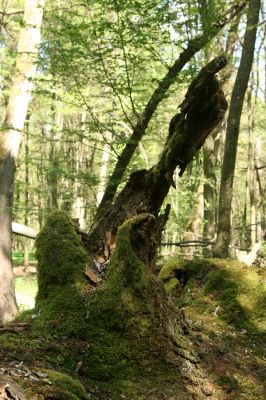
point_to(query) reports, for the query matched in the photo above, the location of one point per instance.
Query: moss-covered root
(124, 315)
(65, 386)
(126, 269)
(61, 280)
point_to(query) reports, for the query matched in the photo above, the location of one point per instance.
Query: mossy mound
(118, 311)
(237, 292)
(54, 386)
(130, 325)
(128, 314)
(65, 387)
(224, 302)
(60, 305)
(123, 321)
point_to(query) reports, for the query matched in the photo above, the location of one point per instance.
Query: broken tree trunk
(194, 45)
(203, 108)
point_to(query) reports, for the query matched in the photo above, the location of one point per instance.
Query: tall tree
(221, 247)
(10, 137)
(212, 145)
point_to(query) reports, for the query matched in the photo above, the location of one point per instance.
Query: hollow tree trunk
(204, 106)
(9, 145)
(226, 188)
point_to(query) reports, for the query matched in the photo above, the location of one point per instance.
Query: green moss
(59, 252)
(69, 388)
(63, 312)
(237, 289)
(121, 321)
(60, 307)
(170, 267)
(119, 311)
(121, 299)
(171, 285)
(168, 274)
(126, 269)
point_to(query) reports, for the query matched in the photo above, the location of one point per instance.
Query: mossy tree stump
(129, 321)
(61, 281)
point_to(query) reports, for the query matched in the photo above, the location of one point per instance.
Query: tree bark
(104, 167)
(221, 247)
(55, 135)
(16, 112)
(26, 191)
(209, 192)
(251, 173)
(203, 108)
(158, 95)
(193, 227)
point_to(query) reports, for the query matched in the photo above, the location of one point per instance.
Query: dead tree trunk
(193, 46)
(202, 109)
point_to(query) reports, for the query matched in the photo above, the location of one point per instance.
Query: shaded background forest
(99, 64)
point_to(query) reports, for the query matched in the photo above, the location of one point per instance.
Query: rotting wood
(92, 276)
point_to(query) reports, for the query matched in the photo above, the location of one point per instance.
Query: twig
(188, 243)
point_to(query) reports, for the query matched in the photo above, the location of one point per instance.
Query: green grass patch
(18, 257)
(26, 290)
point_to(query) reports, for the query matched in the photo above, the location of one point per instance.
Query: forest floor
(224, 307)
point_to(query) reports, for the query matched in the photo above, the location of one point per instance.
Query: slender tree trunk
(55, 134)
(104, 168)
(158, 95)
(193, 228)
(79, 200)
(16, 112)
(212, 145)
(226, 188)
(26, 192)
(251, 174)
(264, 45)
(209, 192)
(260, 195)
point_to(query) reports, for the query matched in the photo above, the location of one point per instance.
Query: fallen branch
(188, 243)
(13, 328)
(24, 230)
